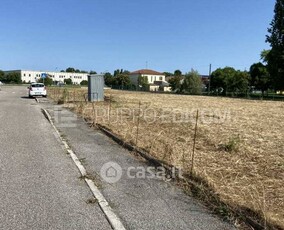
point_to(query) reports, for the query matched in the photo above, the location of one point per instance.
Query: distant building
(32, 76)
(156, 80)
(150, 74)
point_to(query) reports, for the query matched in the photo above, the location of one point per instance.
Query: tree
(92, 72)
(229, 80)
(2, 76)
(122, 80)
(220, 79)
(143, 82)
(168, 74)
(68, 81)
(126, 72)
(109, 79)
(238, 83)
(70, 70)
(47, 81)
(260, 78)
(84, 82)
(120, 71)
(175, 83)
(264, 55)
(275, 57)
(13, 77)
(177, 72)
(192, 83)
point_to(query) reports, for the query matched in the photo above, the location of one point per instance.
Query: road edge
(112, 218)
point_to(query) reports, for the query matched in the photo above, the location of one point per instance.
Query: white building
(29, 76)
(150, 74)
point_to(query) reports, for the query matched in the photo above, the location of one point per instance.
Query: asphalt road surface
(40, 186)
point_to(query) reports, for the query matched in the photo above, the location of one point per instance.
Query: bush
(192, 83)
(84, 82)
(47, 81)
(68, 81)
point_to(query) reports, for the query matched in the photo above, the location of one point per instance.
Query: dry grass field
(239, 146)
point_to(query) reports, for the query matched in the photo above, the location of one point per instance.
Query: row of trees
(224, 81)
(73, 70)
(119, 78)
(10, 78)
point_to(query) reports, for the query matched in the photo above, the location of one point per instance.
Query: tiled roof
(147, 71)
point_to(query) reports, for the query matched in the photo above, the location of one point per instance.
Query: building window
(161, 78)
(24, 74)
(29, 75)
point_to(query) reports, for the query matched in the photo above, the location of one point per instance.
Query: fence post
(194, 141)
(109, 109)
(94, 114)
(138, 122)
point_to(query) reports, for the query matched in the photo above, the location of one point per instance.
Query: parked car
(37, 89)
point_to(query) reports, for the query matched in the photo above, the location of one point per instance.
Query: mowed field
(239, 143)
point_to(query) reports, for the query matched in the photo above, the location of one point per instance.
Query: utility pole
(209, 77)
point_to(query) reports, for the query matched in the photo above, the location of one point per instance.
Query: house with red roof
(152, 76)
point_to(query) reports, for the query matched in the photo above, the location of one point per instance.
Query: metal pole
(194, 142)
(209, 77)
(138, 122)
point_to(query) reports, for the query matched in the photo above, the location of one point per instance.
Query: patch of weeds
(93, 178)
(81, 177)
(60, 101)
(232, 145)
(82, 160)
(92, 201)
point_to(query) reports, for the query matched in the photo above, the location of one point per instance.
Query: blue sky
(104, 35)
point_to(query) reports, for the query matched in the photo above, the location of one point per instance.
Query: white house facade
(151, 75)
(32, 76)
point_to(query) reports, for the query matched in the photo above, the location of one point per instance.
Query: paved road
(40, 185)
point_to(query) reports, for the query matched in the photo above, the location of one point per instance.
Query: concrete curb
(112, 218)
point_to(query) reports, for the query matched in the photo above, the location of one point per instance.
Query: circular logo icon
(111, 172)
